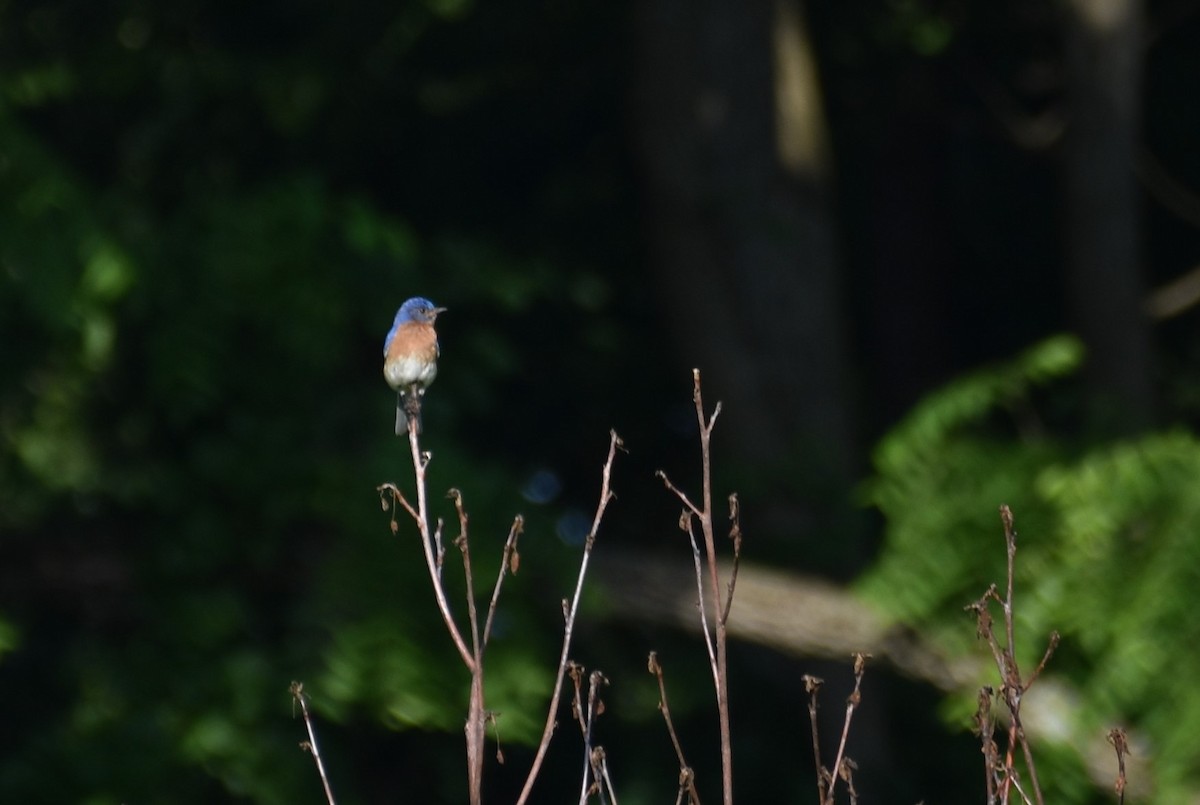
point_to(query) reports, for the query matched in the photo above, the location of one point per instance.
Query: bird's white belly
(402, 373)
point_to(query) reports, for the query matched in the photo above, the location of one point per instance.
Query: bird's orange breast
(411, 356)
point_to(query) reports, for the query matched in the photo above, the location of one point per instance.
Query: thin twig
(735, 536)
(1120, 741)
(593, 756)
(475, 729)
(678, 492)
(397, 497)
(439, 547)
(433, 549)
(983, 624)
(578, 711)
(986, 728)
(687, 777)
(575, 673)
(1055, 638)
(704, 514)
(432, 562)
(464, 547)
(686, 518)
(508, 562)
(812, 686)
(569, 613)
(310, 746)
(1010, 541)
(706, 525)
(1013, 687)
(605, 776)
(846, 771)
(852, 703)
(1015, 779)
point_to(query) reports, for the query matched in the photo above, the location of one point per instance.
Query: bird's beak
(438, 310)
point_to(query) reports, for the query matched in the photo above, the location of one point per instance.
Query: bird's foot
(412, 410)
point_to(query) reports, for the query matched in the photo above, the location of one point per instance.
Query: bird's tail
(401, 417)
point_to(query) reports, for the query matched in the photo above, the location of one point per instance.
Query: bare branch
(1120, 741)
(735, 536)
(575, 673)
(845, 773)
(687, 777)
(593, 756)
(462, 542)
(1010, 541)
(310, 746)
(508, 562)
(569, 613)
(1015, 780)
(708, 638)
(439, 547)
(1055, 638)
(812, 686)
(1013, 687)
(986, 729)
(397, 497)
(430, 543)
(601, 770)
(852, 703)
(704, 514)
(433, 549)
(679, 493)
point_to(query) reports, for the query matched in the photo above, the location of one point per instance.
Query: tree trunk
(1104, 286)
(731, 137)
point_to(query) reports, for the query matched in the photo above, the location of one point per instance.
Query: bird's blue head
(418, 309)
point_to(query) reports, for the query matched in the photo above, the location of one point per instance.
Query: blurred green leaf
(1108, 553)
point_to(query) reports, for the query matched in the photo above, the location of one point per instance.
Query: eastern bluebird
(410, 354)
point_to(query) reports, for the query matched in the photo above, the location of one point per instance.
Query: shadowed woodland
(932, 258)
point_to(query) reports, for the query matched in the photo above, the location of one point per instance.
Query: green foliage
(215, 464)
(941, 474)
(207, 219)
(192, 425)
(1108, 554)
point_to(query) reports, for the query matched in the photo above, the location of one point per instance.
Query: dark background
(209, 213)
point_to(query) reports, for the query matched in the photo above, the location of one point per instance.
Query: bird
(410, 354)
